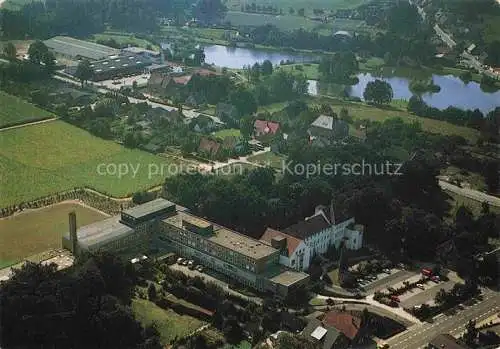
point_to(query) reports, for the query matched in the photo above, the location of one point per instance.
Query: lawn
(364, 111)
(17, 111)
(297, 4)
(123, 39)
(170, 324)
(285, 22)
(334, 276)
(310, 70)
(228, 132)
(271, 108)
(43, 159)
(234, 169)
(39, 230)
(269, 159)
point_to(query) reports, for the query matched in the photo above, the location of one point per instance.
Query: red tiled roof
(291, 242)
(346, 323)
(209, 145)
(266, 127)
(205, 72)
(182, 80)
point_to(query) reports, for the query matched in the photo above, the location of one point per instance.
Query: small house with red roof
(351, 326)
(265, 128)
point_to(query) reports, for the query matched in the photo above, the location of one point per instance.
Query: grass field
(363, 111)
(334, 276)
(39, 230)
(297, 4)
(39, 160)
(123, 38)
(228, 132)
(14, 110)
(268, 159)
(285, 22)
(170, 324)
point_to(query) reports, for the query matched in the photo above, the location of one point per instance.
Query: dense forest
(84, 17)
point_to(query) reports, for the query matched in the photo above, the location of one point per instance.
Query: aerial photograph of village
(249, 174)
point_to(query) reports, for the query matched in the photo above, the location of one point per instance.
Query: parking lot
(384, 280)
(141, 79)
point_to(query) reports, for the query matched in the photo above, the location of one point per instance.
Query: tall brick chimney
(72, 232)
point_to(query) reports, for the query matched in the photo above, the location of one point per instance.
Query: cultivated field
(39, 160)
(14, 110)
(170, 324)
(297, 4)
(39, 230)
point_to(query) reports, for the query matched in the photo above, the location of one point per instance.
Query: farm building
(77, 49)
(116, 66)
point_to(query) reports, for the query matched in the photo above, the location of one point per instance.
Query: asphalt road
(470, 193)
(419, 336)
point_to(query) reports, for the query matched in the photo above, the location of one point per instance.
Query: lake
(454, 92)
(237, 57)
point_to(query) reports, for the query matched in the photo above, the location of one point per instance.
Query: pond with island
(453, 92)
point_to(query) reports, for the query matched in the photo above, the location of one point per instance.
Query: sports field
(39, 160)
(39, 230)
(14, 110)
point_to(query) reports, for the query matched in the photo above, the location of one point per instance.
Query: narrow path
(29, 123)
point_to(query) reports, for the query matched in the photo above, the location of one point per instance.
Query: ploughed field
(43, 159)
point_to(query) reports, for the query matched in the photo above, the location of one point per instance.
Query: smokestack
(72, 232)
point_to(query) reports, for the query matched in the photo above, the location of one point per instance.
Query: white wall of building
(319, 243)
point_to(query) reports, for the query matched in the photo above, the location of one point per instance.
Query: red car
(395, 299)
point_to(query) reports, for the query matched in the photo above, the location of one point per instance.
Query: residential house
(351, 326)
(327, 130)
(300, 242)
(446, 341)
(209, 146)
(325, 337)
(166, 82)
(265, 128)
(225, 111)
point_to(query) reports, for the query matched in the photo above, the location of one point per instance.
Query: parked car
(180, 260)
(420, 286)
(185, 262)
(395, 299)
(199, 268)
(435, 278)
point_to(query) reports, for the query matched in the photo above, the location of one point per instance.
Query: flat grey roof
(225, 237)
(118, 62)
(74, 47)
(148, 207)
(289, 277)
(102, 232)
